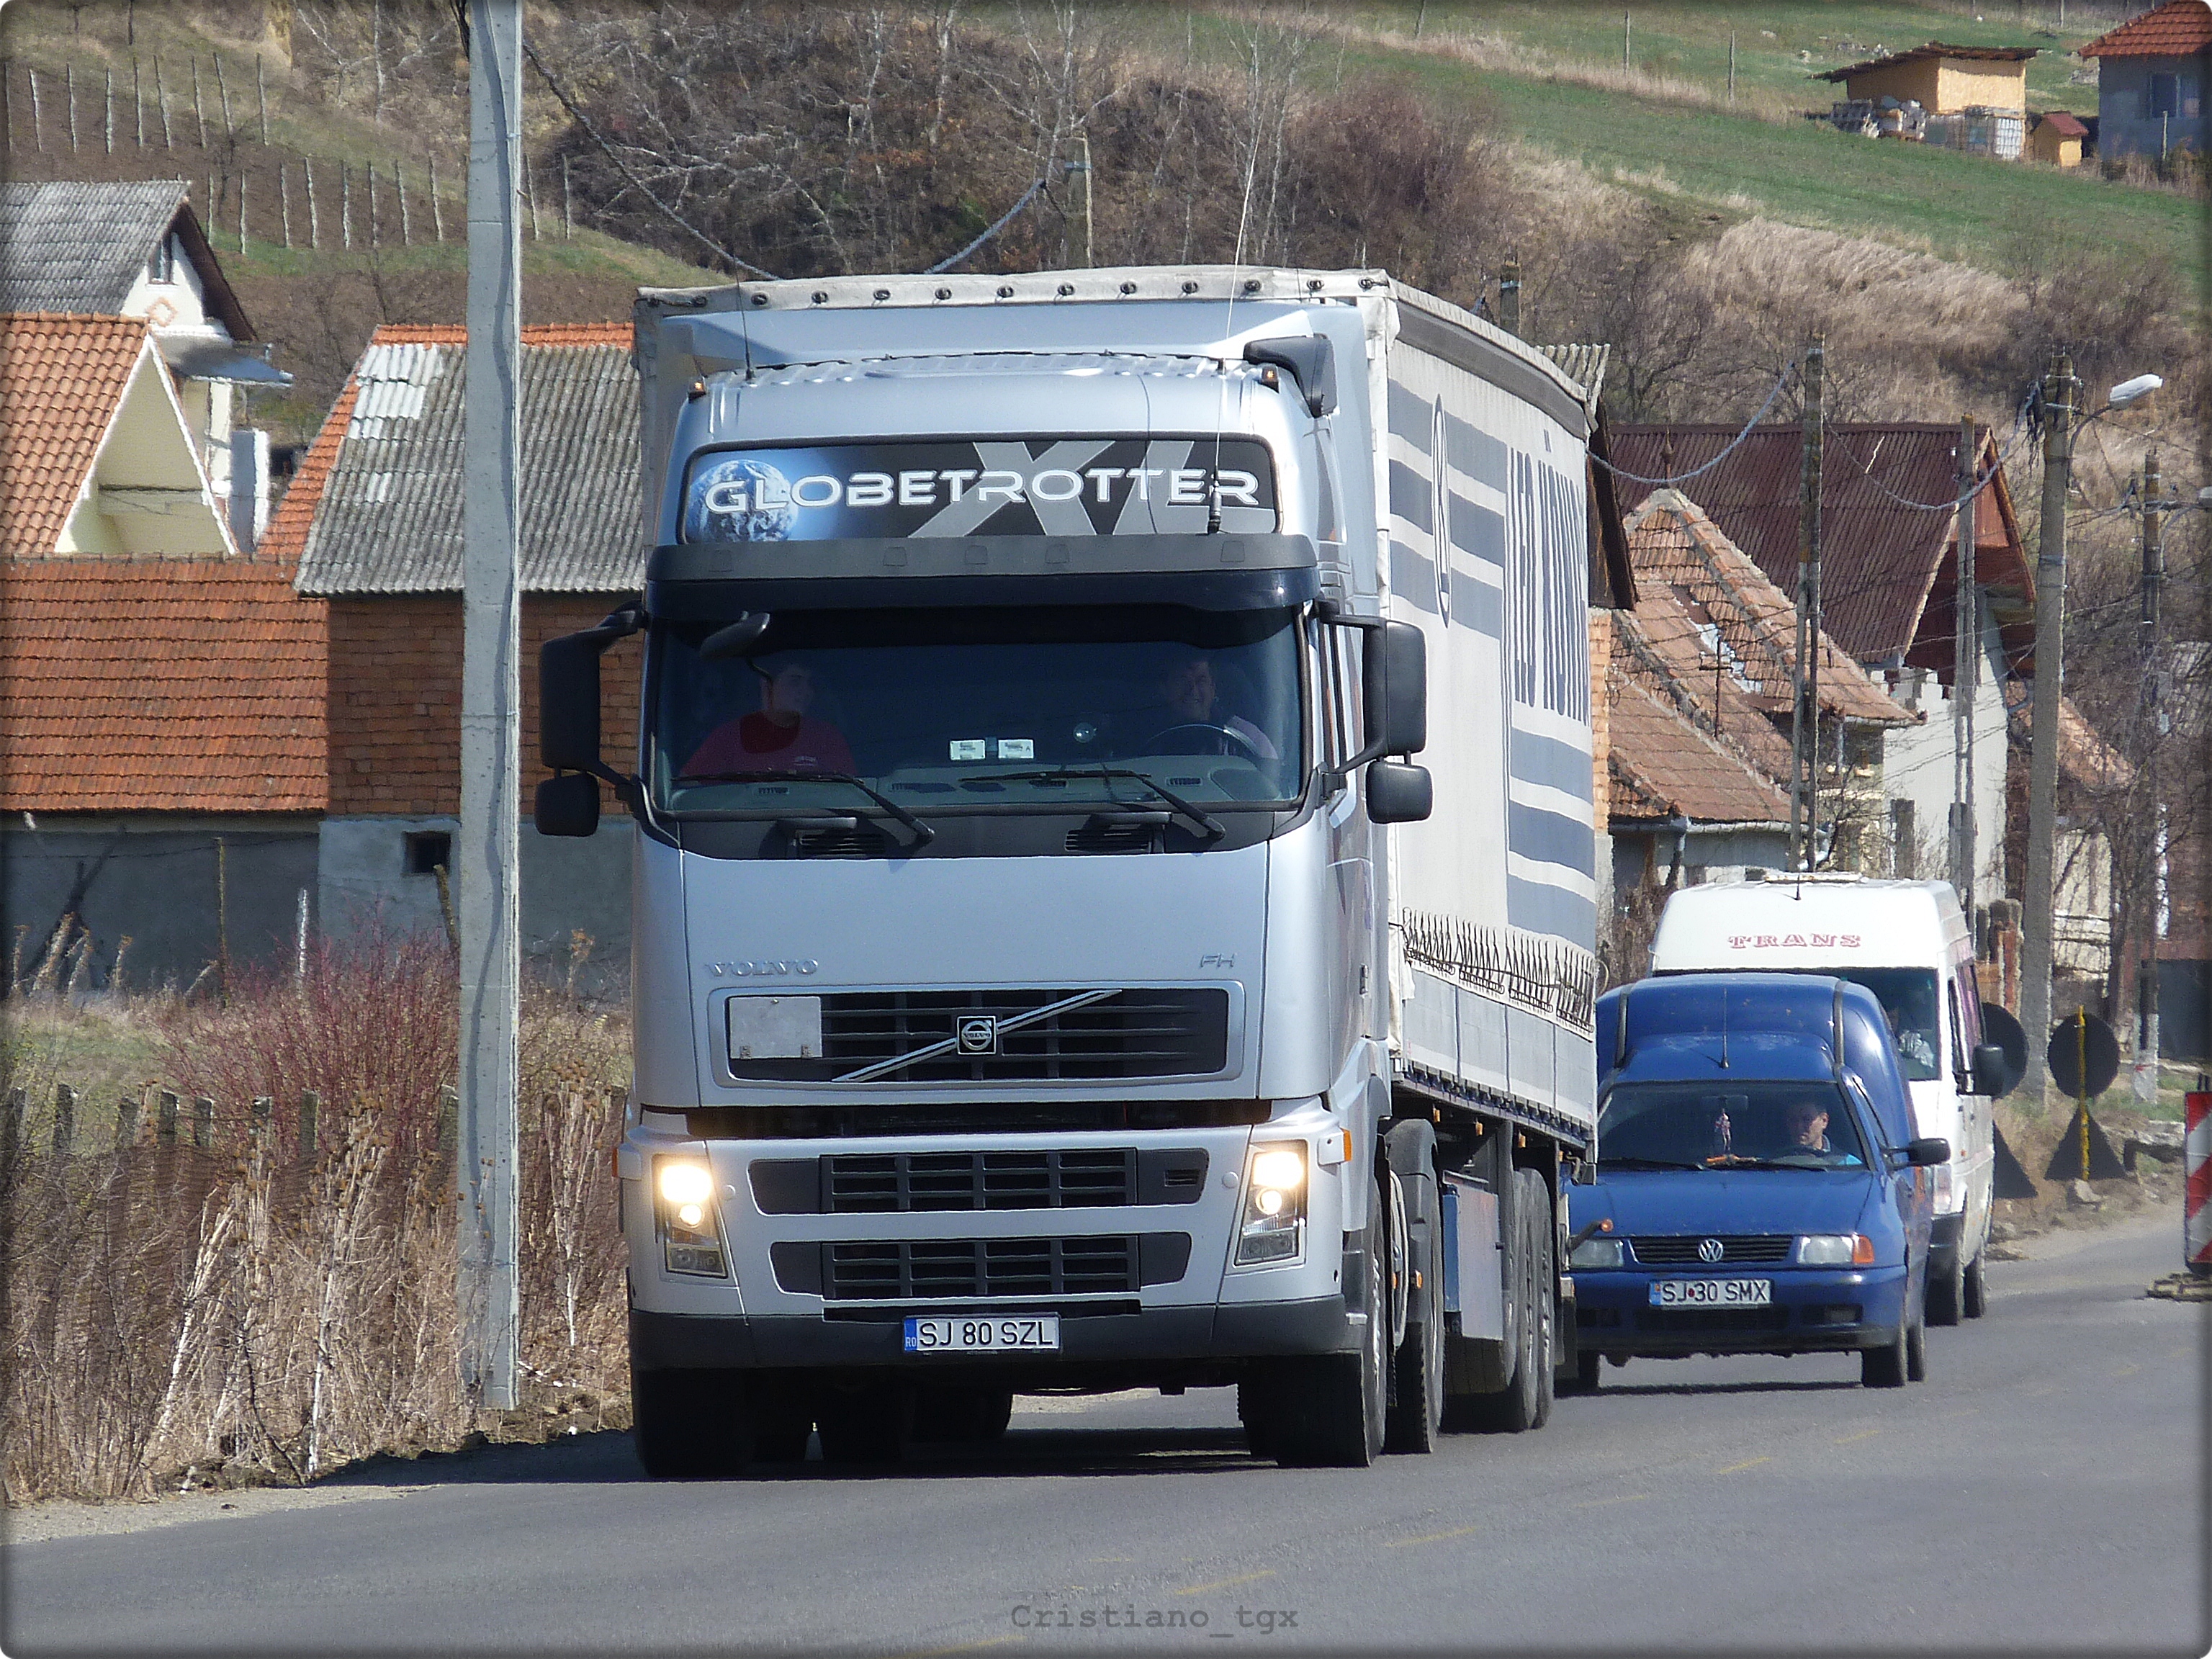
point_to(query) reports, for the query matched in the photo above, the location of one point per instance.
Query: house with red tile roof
(373, 523)
(2152, 75)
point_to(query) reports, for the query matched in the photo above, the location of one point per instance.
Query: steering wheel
(1250, 750)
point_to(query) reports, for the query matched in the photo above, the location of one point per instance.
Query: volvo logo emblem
(977, 1034)
(1709, 1249)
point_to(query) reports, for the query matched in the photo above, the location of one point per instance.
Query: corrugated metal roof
(2179, 29)
(388, 519)
(1584, 365)
(1935, 49)
(1883, 560)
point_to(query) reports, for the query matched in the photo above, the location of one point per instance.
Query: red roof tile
(2065, 125)
(61, 379)
(2179, 29)
(1663, 766)
(160, 685)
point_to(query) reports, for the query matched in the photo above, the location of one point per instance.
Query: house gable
(145, 492)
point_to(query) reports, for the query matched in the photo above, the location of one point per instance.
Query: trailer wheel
(690, 1425)
(1416, 1382)
(1327, 1410)
(1525, 1402)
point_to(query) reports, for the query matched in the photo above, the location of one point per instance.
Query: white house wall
(1917, 765)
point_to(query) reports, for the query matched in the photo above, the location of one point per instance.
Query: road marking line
(2127, 1370)
(1224, 1583)
(1864, 1434)
(1110, 1560)
(1599, 1503)
(1738, 1468)
(967, 1647)
(1430, 1538)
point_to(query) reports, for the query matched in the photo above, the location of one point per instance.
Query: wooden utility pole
(1805, 716)
(487, 847)
(1626, 18)
(2039, 917)
(1966, 666)
(1731, 68)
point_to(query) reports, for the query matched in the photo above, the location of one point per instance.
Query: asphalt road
(2045, 1489)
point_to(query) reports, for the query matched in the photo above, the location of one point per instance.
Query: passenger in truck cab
(1189, 697)
(780, 736)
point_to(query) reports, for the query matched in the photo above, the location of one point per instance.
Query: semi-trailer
(1052, 969)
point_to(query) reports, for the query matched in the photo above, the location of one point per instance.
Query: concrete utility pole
(1804, 717)
(2153, 583)
(1966, 674)
(2038, 915)
(486, 850)
(1080, 167)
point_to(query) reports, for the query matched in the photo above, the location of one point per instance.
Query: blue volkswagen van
(1757, 1188)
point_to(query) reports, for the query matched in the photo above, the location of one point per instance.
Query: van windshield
(1695, 1126)
(1908, 997)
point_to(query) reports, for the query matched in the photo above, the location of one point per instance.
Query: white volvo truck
(1052, 972)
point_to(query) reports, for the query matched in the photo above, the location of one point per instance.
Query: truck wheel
(1416, 1381)
(1885, 1367)
(872, 1424)
(1525, 1402)
(1327, 1410)
(782, 1420)
(1946, 1292)
(1252, 1408)
(1975, 1299)
(961, 1416)
(690, 1425)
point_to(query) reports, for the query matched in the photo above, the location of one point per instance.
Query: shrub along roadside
(273, 1304)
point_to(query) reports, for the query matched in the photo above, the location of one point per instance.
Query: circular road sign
(2082, 1042)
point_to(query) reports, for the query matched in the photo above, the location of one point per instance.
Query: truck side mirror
(568, 701)
(1398, 793)
(1396, 673)
(1989, 1071)
(568, 805)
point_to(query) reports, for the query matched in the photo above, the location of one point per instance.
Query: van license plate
(981, 1333)
(1711, 1293)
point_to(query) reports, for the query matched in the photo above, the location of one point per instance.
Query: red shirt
(754, 742)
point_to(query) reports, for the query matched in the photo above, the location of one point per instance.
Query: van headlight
(1835, 1250)
(690, 1233)
(1593, 1253)
(1272, 1228)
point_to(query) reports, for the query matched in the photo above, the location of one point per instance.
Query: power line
(1780, 381)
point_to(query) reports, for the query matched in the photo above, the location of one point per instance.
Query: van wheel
(1416, 1382)
(1589, 1368)
(1885, 1367)
(1525, 1402)
(1327, 1410)
(1916, 1350)
(1947, 1293)
(1975, 1300)
(690, 1425)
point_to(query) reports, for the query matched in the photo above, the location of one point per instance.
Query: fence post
(126, 1123)
(437, 213)
(314, 219)
(284, 202)
(262, 1115)
(137, 101)
(311, 1110)
(65, 1119)
(261, 90)
(68, 81)
(161, 99)
(199, 120)
(165, 1117)
(203, 1123)
(38, 124)
(222, 90)
(345, 205)
(11, 1126)
(108, 102)
(400, 187)
(368, 185)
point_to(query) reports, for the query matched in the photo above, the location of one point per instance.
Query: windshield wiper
(1737, 1161)
(1646, 1164)
(1207, 826)
(923, 834)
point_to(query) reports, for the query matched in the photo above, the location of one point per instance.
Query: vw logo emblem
(977, 1034)
(1709, 1249)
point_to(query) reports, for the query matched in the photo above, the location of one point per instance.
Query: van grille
(1717, 1320)
(1654, 1251)
(916, 1036)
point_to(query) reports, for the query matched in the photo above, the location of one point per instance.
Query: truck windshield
(1695, 1126)
(980, 709)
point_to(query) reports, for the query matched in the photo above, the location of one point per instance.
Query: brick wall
(395, 698)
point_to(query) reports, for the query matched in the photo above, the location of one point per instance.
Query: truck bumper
(663, 1342)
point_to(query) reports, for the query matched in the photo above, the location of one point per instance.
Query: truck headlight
(690, 1236)
(1596, 1253)
(1835, 1250)
(1272, 1228)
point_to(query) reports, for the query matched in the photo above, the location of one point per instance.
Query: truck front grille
(939, 1269)
(1657, 1251)
(1025, 1178)
(1006, 1035)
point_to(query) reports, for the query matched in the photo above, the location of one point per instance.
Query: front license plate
(984, 1333)
(1711, 1293)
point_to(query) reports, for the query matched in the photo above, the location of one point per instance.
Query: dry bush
(266, 1309)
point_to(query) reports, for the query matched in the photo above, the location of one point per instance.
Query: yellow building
(2056, 139)
(1944, 79)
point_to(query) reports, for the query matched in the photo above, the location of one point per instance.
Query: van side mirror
(1991, 1071)
(568, 805)
(1398, 793)
(1927, 1152)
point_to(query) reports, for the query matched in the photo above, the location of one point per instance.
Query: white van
(1906, 942)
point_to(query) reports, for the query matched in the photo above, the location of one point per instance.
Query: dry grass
(274, 1304)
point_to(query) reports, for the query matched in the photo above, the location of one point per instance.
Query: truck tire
(1327, 1410)
(871, 1423)
(1252, 1410)
(782, 1419)
(961, 1416)
(1975, 1299)
(1416, 1381)
(1946, 1292)
(690, 1425)
(1525, 1402)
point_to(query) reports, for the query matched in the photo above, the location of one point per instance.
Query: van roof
(1789, 922)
